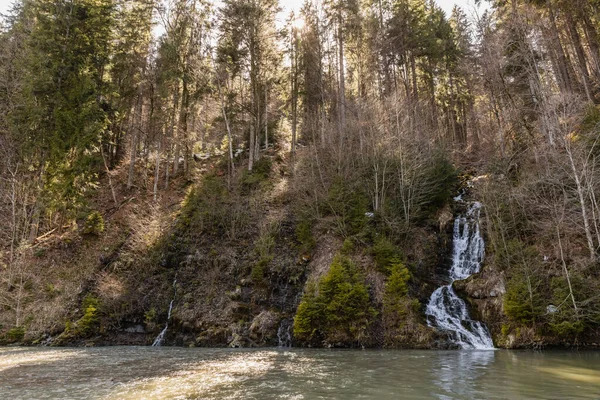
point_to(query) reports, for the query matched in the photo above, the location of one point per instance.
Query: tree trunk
(135, 129)
(342, 73)
(582, 203)
(576, 41)
(157, 170)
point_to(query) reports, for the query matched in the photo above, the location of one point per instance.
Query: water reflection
(177, 373)
(459, 374)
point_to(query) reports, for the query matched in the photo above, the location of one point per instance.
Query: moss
(337, 310)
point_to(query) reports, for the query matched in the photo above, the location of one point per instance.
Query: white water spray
(446, 310)
(161, 336)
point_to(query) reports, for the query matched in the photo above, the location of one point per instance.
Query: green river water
(180, 373)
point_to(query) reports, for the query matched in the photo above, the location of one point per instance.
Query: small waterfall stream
(284, 333)
(446, 310)
(161, 336)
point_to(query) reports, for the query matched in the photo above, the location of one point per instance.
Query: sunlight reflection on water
(179, 373)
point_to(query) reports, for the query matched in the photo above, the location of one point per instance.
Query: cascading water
(284, 333)
(161, 336)
(446, 310)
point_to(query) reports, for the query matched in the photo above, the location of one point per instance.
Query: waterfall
(161, 336)
(284, 334)
(446, 310)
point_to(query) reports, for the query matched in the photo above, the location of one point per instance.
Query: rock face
(484, 292)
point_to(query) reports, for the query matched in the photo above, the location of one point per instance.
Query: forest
(235, 174)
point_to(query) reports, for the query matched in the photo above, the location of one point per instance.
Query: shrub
(260, 173)
(396, 304)
(519, 304)
(258, 271)
(385, 254)
(310, 315)
(211, 208)
(349, 205)
(305, 236)
(347, 246)
(340, 313)
(15, 334)
(443, 179)
(567, 329)
(88, 324)
(94, 224)
(401, 313)
(566, 322)
(397, 284)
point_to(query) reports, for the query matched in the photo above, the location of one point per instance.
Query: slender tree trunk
(266, 120)
(582, 202)
(591, 35)
(175, 134)
(561, 59)
(576, 40)
(342, 73)
(251, 147)
(136, 127)
(110, 183)
(294, 83)
(566, 270)
(183, 126)
(157, 169)
(172, 129)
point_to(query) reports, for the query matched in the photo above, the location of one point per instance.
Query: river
(180, 373)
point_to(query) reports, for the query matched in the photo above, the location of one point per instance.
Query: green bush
(443, 178)
(396, 303)
(260, 174)
(519, 304)
(258, 270)
(15, 334)
(385, 254)
(347, 246)
(310, 315)
(94, 224)
(397, 283)
(211, 208)
(338, 310)
(566, 322)
(305, 236)
(349, 204)
(89, 323)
